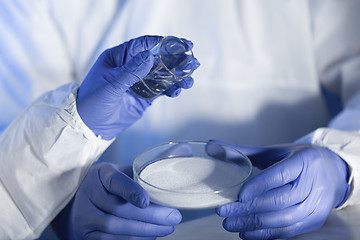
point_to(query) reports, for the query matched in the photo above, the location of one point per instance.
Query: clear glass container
(174, 61)
(192, 175)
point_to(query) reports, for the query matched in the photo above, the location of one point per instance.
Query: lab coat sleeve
(45, 153)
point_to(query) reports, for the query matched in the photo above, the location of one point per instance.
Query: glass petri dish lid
(192, 175)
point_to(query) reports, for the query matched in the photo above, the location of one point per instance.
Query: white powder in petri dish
(193, 182)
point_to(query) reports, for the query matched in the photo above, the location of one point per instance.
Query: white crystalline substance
(192, 183)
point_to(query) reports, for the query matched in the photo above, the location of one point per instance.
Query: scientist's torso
(257, 83)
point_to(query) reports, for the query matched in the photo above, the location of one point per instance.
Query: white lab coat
(263, 66)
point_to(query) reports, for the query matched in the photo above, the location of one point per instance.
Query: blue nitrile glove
(104, 101)
(110, 205)
(293, 195)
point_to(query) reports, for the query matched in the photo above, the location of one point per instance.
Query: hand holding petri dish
(192, 175)
(174, 61)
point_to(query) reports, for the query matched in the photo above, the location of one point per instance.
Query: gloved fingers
(275, 176)
(308, 224)
(272, 200)
(260, 156)
(181, 149)
(154, 214)
(264, 157)
(247, 150)
(126, 169)
(173, 91)
(303, 217)
(222, 151)
(186, 83)
(121, 185)
(120, 55)
(142, 43)
(262, 234)
(189, 43)
(137, 68)
(174, 47)
(186, 66)
(105, 236)
(266, 220)
(111, 224)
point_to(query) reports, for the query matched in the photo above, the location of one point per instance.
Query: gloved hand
(293, 195)
(104, 101)
(110, 205)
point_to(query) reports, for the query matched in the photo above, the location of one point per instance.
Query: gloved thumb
(246, 150)
(133, 71)
(123, 186)
(261, 157)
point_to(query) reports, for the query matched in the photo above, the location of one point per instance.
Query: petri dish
(191, 175)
